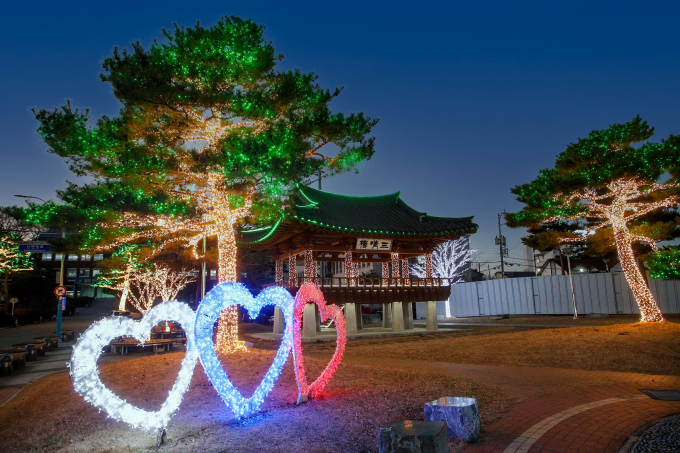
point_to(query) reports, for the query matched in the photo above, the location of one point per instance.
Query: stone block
(414, 436)
(461, 416)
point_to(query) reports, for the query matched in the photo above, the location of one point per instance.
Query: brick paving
(548, 399)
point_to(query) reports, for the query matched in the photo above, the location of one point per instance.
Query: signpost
(35, 247)
(13, 300)
(60, 291)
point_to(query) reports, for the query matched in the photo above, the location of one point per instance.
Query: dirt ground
(49, 416)
(638, 347)
(555, 320)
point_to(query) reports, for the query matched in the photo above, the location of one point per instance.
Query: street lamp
(61, 275)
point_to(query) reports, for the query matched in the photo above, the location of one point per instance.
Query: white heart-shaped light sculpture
(85, 375)
(219, 298)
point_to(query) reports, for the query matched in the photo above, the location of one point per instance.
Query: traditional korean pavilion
(326, 227)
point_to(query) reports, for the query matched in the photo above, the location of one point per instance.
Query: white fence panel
(594, 293)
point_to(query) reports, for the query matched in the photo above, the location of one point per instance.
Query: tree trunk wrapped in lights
(208, 140)
(607, 181)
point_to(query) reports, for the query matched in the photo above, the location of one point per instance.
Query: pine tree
(210, 136)
(607, 181)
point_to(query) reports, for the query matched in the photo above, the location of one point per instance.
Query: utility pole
(319, 179)
(501, 244)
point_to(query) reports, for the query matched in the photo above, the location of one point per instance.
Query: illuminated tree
(210, 136)
(450, 260)
(13, 230)
(611, 183)
(122, 269)
(157, 282)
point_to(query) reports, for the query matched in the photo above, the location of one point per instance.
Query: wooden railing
(378, 283)
(363, 290)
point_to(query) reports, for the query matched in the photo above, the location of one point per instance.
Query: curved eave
(473, 228)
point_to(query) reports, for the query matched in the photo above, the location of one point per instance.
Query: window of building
(98, 256)
(84, 272)
(96, 272)
(57, 257)
(213, 274)
(72, 257)
(85, 257)
(47, 257)
(71, 273)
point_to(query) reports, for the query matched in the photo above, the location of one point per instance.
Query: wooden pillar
(292, 271)
(405, 272)
(279, 272)
(395, 269)
(397, 317)
(349, 269)
(431, 322)
(310, 267)
(385, 274)
(278, 314)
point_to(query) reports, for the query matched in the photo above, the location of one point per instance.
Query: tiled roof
(385, 215)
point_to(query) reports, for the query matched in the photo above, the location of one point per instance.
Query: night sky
(472, 99)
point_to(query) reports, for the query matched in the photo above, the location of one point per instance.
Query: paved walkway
(53, 362)
(559, 410)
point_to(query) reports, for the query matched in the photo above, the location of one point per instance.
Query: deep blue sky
(473, 97)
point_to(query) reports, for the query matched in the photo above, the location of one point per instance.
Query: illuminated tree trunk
(124, 294)
(126, 289)
(227, 327)
(649, 311)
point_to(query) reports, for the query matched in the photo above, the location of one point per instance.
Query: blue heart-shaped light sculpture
(220, 298)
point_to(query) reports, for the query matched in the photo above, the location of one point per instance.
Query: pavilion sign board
(35, 247)
(377, 245)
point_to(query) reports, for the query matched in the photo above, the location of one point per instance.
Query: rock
(597, 315)
(414, 436)
(461, 416)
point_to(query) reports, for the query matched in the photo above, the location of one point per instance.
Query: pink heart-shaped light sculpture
(310, 293)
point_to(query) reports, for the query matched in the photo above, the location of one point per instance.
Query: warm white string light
(395, 269)
(616, 208)
(350, 275)
(310, 267)
(292, 271)
(159, 282)
(385, 274)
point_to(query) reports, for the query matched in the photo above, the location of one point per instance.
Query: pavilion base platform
(329, 334)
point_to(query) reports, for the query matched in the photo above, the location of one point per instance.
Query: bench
(5, 365)
(39, 346)
(18, 357)
(31, 350)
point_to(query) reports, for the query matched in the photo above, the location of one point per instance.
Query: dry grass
(639, 347)
(49, 416)
(556, 320)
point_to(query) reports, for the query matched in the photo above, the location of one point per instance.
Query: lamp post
(571, 282)
(61, 275)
